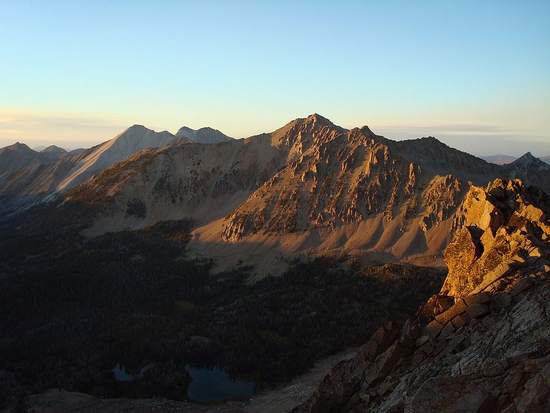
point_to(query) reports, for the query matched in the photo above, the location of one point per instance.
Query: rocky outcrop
(482, 344)
(336, 177)
(502, 226)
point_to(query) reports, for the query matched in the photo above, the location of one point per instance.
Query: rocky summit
(481, 344)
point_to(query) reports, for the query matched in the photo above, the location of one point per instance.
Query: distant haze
(473, 74)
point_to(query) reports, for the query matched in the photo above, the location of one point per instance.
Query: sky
(474, 74)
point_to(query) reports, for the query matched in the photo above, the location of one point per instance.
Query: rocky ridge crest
(336, 177)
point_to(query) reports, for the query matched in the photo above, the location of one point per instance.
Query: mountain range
(307, 188)
(154, 251)
(28, 176)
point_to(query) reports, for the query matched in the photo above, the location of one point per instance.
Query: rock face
(481, 345)
(349, 179)
(502, 224)
(337, 177)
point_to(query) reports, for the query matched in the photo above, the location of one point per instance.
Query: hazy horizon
(79, 73)
(463, 140)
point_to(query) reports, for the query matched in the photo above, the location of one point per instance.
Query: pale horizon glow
(476, 76)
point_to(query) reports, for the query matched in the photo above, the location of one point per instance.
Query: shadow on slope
(74, 308)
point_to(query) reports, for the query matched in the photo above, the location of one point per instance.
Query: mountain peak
(207, 129)
(54, 149)
(367, 131)
(528, 156)
(183, 130)
(206, 135)
(135, 132)
(136, 127)
(315, 118)
(528, 160)
(19, 146)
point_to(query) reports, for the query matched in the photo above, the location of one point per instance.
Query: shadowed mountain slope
(27, 176)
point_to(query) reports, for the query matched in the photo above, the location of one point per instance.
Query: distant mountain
(28, 176)
(531, 170)
(15, 157)
(54, 149)
(203, 135)
(121, 147)
(506, 159)
(499, 159)
(529, 162)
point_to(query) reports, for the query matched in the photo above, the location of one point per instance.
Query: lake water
(207, 385)
(215, 385)
(120, 373)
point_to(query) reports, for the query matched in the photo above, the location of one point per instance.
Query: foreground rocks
(483, 343)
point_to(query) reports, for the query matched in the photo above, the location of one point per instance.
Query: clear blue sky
(475, 74)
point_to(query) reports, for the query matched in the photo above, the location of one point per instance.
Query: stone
(501, 300)
(442, 303)
(421, 340)
(517, 258)
(452, 312)
(520, 286)
(535, 252)
(477, 310)
(433, 329)
(459, 321)
(447, 331)
(480, 298)
(383, 363)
